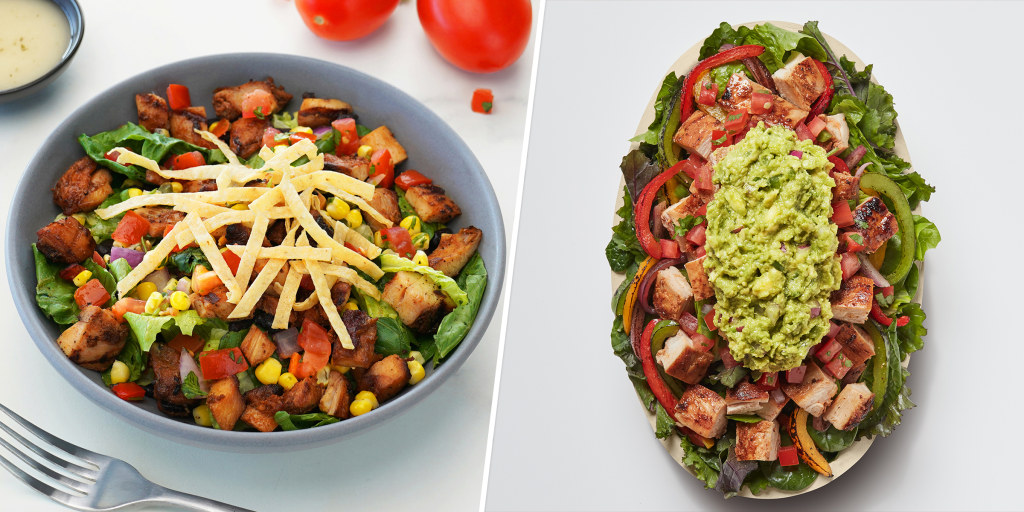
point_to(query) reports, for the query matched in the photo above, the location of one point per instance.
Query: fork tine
(35, 483)
(70, 465)
(76, 485)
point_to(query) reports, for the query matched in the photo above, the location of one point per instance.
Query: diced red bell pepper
(723, 57)
(410, 179)
(768, 380)
(91, 293)
(849, 264)
(788, 456)
(688, 323)
(399, 240)
(188, 160)
(796, 375)
(97, 259)
(703, 342)
(131, 228)
(348, 140)
(178, 97)
(128, 305)
(225, 362)
(736, 121)
(258, 103)
(842, 216)
(839, 366)
(669, 248)
(761, 103)
(71, 271)
(720, 139)
(129, 391)
(709, 320)
(821, 104)
(828, 350)
(294, 137)
(697, 235)
(483, 101)
(382, 170)
(802, 132)
(850, 241)
(642, 211)
(708, 94)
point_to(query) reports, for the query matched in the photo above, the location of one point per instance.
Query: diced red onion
(833, 329)
(688, 323)
(815, 311)
(804, 246)
(796, 375)
(188, 365)
(782, 246)
(739, 329)
(819, 423)
(861, 169)
(856, 155)
(159, 278)
(287, 342)
(796, 153)
(184, 284)
(320, 130)
(727, 358)
(871, 272)
(652, 275)
(778, 396)
(132, 256)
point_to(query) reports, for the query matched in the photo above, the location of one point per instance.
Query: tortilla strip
(151, 260)
(353, 238)
(230, 195)
(252, 247)
(255, 291)
(213, 255)
(127, 157)
(282, 160)
(203, 209)
(323, 291)
(347, 275)
(212, 139)
(286, 253)
(336, 180)
(287, 299)
(362, 205)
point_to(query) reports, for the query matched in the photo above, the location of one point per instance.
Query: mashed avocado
(771, 248)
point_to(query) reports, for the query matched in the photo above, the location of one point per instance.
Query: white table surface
(429, 458)
(569, 433)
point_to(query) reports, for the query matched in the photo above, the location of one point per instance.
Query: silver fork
(100, 482)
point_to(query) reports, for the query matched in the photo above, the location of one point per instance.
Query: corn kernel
(171, 285)
(351, 305)
(354, 219)
(417, 356)
(302, 129)
(338, 209)
(80, 218)
(421, 259)
(119, 373)
(365, 151)
(369, 396)
(412, 224)
(82, 278)
(421, 241)
(144, 290)
(154, 301)
(177, 187)
(202, 416)
(416, 372)
(269, 371)
(287, 380)
(360, 407)
(341, 369)
(162, 131)
(134, 192)
(378, 239)
(179, 301)
(240, 207)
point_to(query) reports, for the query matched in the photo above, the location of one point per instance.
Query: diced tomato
(483, 101)
(178, 97)
(703, 342)
(220, 127)
(691, 165)
(887, 291)
(91, 293)
(736, 121)
(382, 170)
(688, 323)
(270, 138)
(833, 329)
(839, 365)
(348, 141)
(727, 359)
(902, 321)
(204, 282)
(97, 259)
(703, 210)
(307, 364)
(697, 235)
(128, 305)
(828, 351)
(769, 380)
(700, 252)
(128, 391)
(802, 132)
(669, 249)
(788, 456)
(225, 362)
(294, 137)
(231, 259)
(399, 240)
(850, 240)
(796, 375)
(258, 103)
(131, 228)
(191, 343)
(709, 320)
(356, 249)
(708, 94)
(188, 160)
(720, 138)
(703, 179)
(849, 264)
(71, 271)
(816, 125)
(112, 155)
(411, 178)
(761, 103)
(842, 216)
(313, 338)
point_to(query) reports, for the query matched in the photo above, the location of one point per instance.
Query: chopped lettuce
(55, 296)
(668, 86)
(928, 236)
(285, 121)
(779, 44)
(303, 421)
(396, 263)
(136, 138)
(455, 325)
(146, 328)
(664, 424)
(186, 260)
(119, 268)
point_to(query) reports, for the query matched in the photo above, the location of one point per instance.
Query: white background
(429, 458)
(569, 433)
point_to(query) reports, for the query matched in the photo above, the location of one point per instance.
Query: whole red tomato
(482, 36)
(344, 20)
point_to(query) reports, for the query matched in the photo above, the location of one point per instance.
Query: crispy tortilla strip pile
(277, 190)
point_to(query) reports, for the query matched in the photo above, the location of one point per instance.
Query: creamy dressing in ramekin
(34, 35)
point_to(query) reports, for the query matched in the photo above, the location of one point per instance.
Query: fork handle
(193, 502)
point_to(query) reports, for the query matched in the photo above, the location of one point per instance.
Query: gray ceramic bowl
(73, 12)
(433, 148)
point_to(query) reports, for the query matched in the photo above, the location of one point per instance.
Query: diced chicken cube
(719, 154)
(354, 166)
(847, 187)
(382, 138)
(83, 187)
(213, 304)
(245, 136)
(745, 398)
(316, 112)
(225, 402)
(738, 92)
(455, 250)
(694, 135)
(702, 411)
(875, 223)
(857, 345)
(166, 365)
(363, 331)
(814, 393)
(800, 81)
(385, 201)
(160, 219)
(336, 399)
(836, 126)
(184, 123)
(95, 340)
(386, 377)
(771, 409)
(686, 207)
(757, 441)
(227, 101)
(851, 406)
(257, 346)
(683, 359)
(431, 203)
(303, 397)
(699, 282)
(852, 301)
(153, 111)
(260, 406)
(65, 241)
(418, 301)
(672, 294)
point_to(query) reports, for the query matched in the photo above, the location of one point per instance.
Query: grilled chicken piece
(702, 411)
(303, 397)
(382, 138)
(771, 409)
(257, 346)
(185, 122)
(851, 406)
(686, 207)
(836, 126)
(65, 241)
(418, 301)
(386, 377)
(160, 219)
(363, 331)
(384, 201)
(82, 187)
(153, 111)
(199, 186)
(694, 135)
(354, 166)
(672, 294)
(213, 304)
(95, 340)
(336, 399)
(260, 406)
(881, 224)
(225, 402)
(800, 82)
(738, 92)
(455, 250)
(166, 364)
(316, 112)
(814, 393)
(745, 398)
(757, 441)
(245, 137)
(227, 101)
(431, 203)
(857, 345)
(699, 281)
(683, 359)
(340, 293)
(847, 187)
(852, 301)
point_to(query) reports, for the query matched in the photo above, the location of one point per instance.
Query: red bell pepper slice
(838, 164)
(723, 57)
(128, 391)
(642, 213)
(411, 178)
(658, 386)
(178, 97)
(823, 101)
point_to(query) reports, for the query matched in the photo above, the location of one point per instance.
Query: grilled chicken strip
(65, 241)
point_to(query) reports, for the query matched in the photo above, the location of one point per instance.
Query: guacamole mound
(771, 248)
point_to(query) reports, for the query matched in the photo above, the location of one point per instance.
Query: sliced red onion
(287, 342)
(856, 155)
(871, 272)
(320, 130)
(861, 169)
(188, 365)
(637, 328)
(645, 285)
(782, 246)
(819, 423)
(797, 153)
(796, 375)
(159, 278)
(132, 256)
(184, 284)
(705, 309)
(739, 329)
(778, 396)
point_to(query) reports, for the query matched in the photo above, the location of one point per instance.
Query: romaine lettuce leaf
(668, 86)
(624, 249)
(928, 236)
(150, 145)
(302, 421)
(455, 325)
(146, 328)
(105, 278)
(55, 296)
